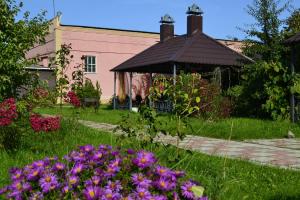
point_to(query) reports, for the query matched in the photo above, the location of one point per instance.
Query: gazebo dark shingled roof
(197, 49)
(294, 39)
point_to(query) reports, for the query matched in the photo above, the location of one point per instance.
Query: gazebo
(192, 52)
(293, 42)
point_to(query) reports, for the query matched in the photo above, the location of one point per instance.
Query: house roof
(196, 49)
(294, 39)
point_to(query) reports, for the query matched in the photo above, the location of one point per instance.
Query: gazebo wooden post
(130, 92)
(174, 83)
(150, 84)
(115, 89)
(174, 74)
(292, 96)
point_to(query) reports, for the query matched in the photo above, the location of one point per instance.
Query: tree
(265, 83)
(16, 38)
(61, 64)
(264, 38)
(292, 25)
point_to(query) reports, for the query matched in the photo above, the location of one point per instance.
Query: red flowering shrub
(8, 112)
(73, 99)
(46, 124)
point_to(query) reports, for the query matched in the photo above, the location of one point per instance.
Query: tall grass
(243, 180)
(244, 128)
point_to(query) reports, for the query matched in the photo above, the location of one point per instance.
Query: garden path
(283, 153)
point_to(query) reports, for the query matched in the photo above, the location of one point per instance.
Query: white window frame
(86, 65)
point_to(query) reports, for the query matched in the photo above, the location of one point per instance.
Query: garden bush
(73, 99)
(17, 119)
(100, 173)
(208, 97)
(9, 133)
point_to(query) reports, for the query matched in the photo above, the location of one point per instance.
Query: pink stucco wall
(110, 48)
(43, 50)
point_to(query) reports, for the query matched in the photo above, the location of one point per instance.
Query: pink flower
(8, 112)
(72, 98)
(46, 124)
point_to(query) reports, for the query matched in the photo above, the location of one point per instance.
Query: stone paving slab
(282, 143)
(276, 152)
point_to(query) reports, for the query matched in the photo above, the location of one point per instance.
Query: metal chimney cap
(166, 19)
(194, 10)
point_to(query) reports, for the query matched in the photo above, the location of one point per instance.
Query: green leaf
(197, 99)
(198, 191)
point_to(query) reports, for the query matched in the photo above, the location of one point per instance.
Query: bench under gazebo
(192, 52)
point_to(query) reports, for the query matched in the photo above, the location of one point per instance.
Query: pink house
(104, 49)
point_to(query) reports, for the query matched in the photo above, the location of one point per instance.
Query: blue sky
(221, 17)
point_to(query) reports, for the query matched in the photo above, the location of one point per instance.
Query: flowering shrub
(72, 99)
(100, 173)
(8, 112)
(46, 124)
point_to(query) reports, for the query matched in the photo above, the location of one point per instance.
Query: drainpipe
(130, 92)
(150, 83)
(115, 89)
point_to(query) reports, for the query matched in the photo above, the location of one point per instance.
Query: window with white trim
(90, 64)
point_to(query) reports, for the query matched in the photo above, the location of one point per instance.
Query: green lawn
(242, 128)
(230, 179)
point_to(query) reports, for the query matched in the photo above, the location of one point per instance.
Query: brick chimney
(166, 28)
(194, 20)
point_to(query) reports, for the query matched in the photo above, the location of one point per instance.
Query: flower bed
(100, 173)
(46, 124)
(8, 112)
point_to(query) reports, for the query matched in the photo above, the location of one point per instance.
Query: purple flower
(39, 164)
(114, 186)
(160, 197)
(142, 194)
(48, 182)
(113, 168)
(16, 174)
(3, 190)
(102, 174)
(20, 186)
(186, 190)
(78, 168)
(115, 153)
(163, 171)
(175, 196)
(77, 156)
(96, 180)
(97, 155)
(65, 189)
(110, 195)
(141, 181)
(130, 151)
(36, 196)
(59, 166)
(164, 184)
(179, 174)
(87, 148)
(73, 180)
(144, 159)
(92, 193)
(33, 174)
